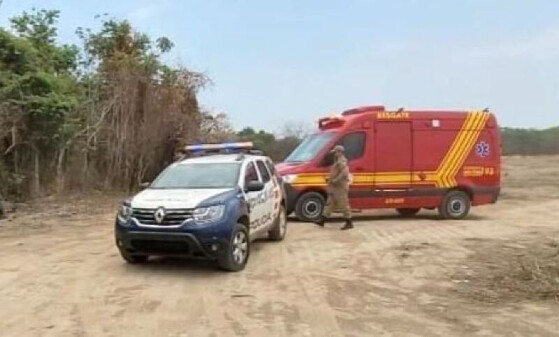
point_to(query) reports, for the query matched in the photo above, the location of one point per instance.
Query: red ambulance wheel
(309, 206)
(407, 212)
(455, 205)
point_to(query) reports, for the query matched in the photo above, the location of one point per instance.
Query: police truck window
(198, 175)
(263, 171)
(251, 174)
(271, 167)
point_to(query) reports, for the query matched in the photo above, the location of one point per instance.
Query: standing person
(338, 189)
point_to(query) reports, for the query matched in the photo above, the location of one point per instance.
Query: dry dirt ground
(492, 274)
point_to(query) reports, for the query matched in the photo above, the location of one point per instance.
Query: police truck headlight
(290, 178)
(124, 213)
(209, 214)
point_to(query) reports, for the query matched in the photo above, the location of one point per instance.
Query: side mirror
(145, 184)
(254, 186)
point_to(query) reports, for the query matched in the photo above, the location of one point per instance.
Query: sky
(278, 62)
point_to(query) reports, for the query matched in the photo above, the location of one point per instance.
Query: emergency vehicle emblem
(482, 149)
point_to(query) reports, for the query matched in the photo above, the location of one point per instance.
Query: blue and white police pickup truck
(207, 206)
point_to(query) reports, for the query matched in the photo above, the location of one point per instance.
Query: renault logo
(159, 215)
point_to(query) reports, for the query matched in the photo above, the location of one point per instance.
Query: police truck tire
(235, 256)
(131, 258)
(455, 205)
(407, 212)
(277, 233)
(309, 206)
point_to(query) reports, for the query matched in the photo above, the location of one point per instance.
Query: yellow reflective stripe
(393, 178)
(468, 147)
(398, 173)
(309, 179)
(465, 149)
(363, 179)
(463, 145)
(442, 172)
(470, 134)
(465, 135)
(451, 151)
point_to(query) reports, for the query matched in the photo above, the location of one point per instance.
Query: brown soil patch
(511, 270)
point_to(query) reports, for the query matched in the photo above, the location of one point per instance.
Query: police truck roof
(221, 153)
(219, 158)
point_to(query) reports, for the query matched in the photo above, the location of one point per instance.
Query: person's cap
(338, 149)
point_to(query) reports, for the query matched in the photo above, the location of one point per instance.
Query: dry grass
(507, 271)
(530, 178)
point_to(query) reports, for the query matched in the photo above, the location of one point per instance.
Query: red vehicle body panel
(411, 158)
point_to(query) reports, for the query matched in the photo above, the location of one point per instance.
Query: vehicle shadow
(395, 217)
(175, 266)
(191, 267)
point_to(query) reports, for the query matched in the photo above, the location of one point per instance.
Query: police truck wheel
(310, 206)
(280, 226)
(407, 212)
(131, 258)
(235, 256)
(455, 205)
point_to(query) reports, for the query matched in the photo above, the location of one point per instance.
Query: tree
(139, 109)
(215, 128)
(530, 141)
(38, 88)
(113, 113)
(284, 146)
(276, 148)
(295, 130)
(262, 140)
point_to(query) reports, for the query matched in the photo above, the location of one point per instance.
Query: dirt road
(60, 275)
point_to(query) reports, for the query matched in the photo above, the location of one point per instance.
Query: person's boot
(320, 221)
(348, 225)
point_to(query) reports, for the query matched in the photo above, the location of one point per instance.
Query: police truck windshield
(309, 148)
(199, 175)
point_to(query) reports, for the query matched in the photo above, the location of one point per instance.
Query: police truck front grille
(173, 217)
(161, 247)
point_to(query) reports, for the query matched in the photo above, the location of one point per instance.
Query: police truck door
(267, 196)
(254, 199)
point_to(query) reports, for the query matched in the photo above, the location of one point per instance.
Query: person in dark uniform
(338, 189)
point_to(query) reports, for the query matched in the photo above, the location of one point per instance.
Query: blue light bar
(219, 147)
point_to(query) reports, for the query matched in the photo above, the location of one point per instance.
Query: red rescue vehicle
(402, 159)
